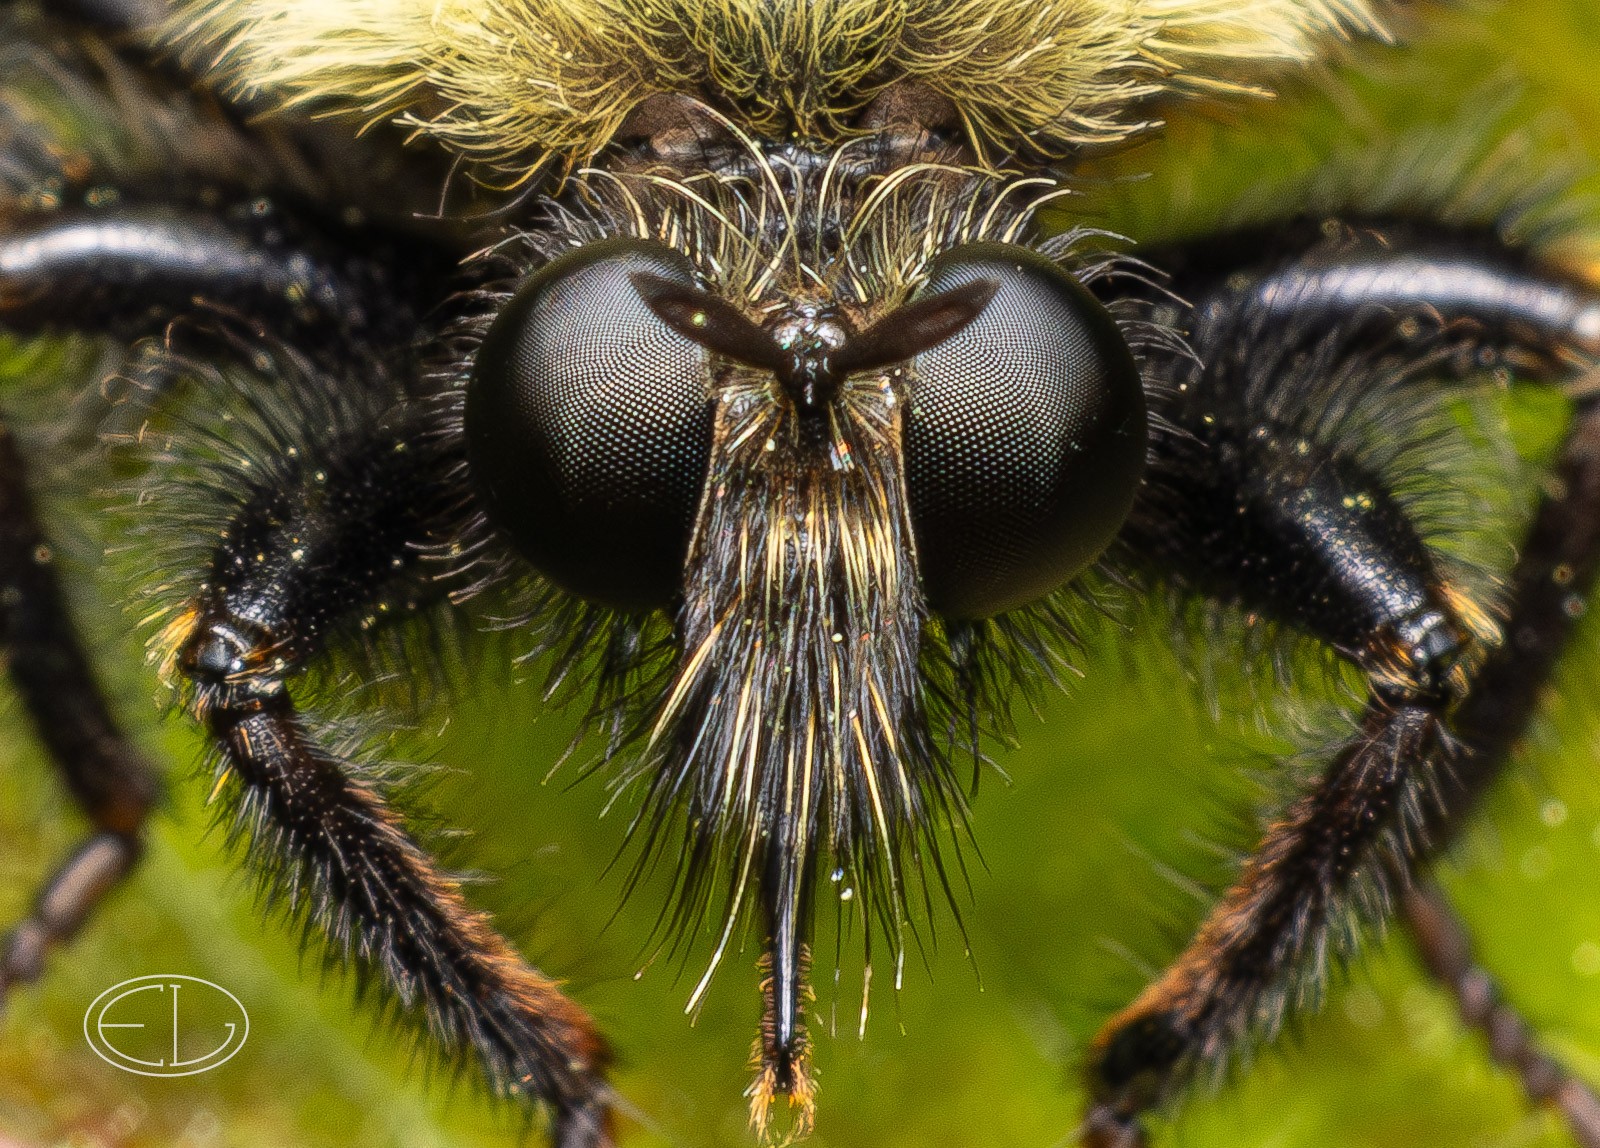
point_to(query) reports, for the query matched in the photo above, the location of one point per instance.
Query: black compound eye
(588, 425)
(1025, 438)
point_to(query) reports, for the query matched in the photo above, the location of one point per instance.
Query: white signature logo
(166, 1025)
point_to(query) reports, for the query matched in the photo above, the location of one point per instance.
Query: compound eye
(1025, 437)
(588, 424)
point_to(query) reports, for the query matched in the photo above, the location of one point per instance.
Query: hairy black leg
(164, 205)
(1255, 499)
(1446, 950)
(110, 780)
(328, 544)
(1554, 576)
(1404, 286)
(1553, 579)
(1280, 523)
(128, 269)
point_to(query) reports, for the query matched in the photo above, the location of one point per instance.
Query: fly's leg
(111, 781)
(1558, 567)
(329, 544)
(315, 549)
(1446, 951)
(326, 541)
(1555, 574)
(137, 268)
(1457, 299)
(126, 268)
(1257, 500)
(1292, 525)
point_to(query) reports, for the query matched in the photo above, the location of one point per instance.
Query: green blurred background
(1115, 790)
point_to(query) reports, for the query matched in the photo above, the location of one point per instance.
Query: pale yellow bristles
(763, 1092)
(517, 82)
(166, 646)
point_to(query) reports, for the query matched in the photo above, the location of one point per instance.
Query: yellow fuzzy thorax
(514, 82)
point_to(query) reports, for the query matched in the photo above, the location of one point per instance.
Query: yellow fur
(512, 82)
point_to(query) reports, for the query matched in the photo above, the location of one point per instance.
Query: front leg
(328, 545)
(1287, 528)
(1255, 498)
(205, 268)
(128, 272)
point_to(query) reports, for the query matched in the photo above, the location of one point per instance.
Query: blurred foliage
(1131, 780)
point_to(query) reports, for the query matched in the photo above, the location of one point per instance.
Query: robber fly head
(823, 408)
(787, 380)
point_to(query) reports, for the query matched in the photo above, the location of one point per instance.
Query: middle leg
(1257, 498)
